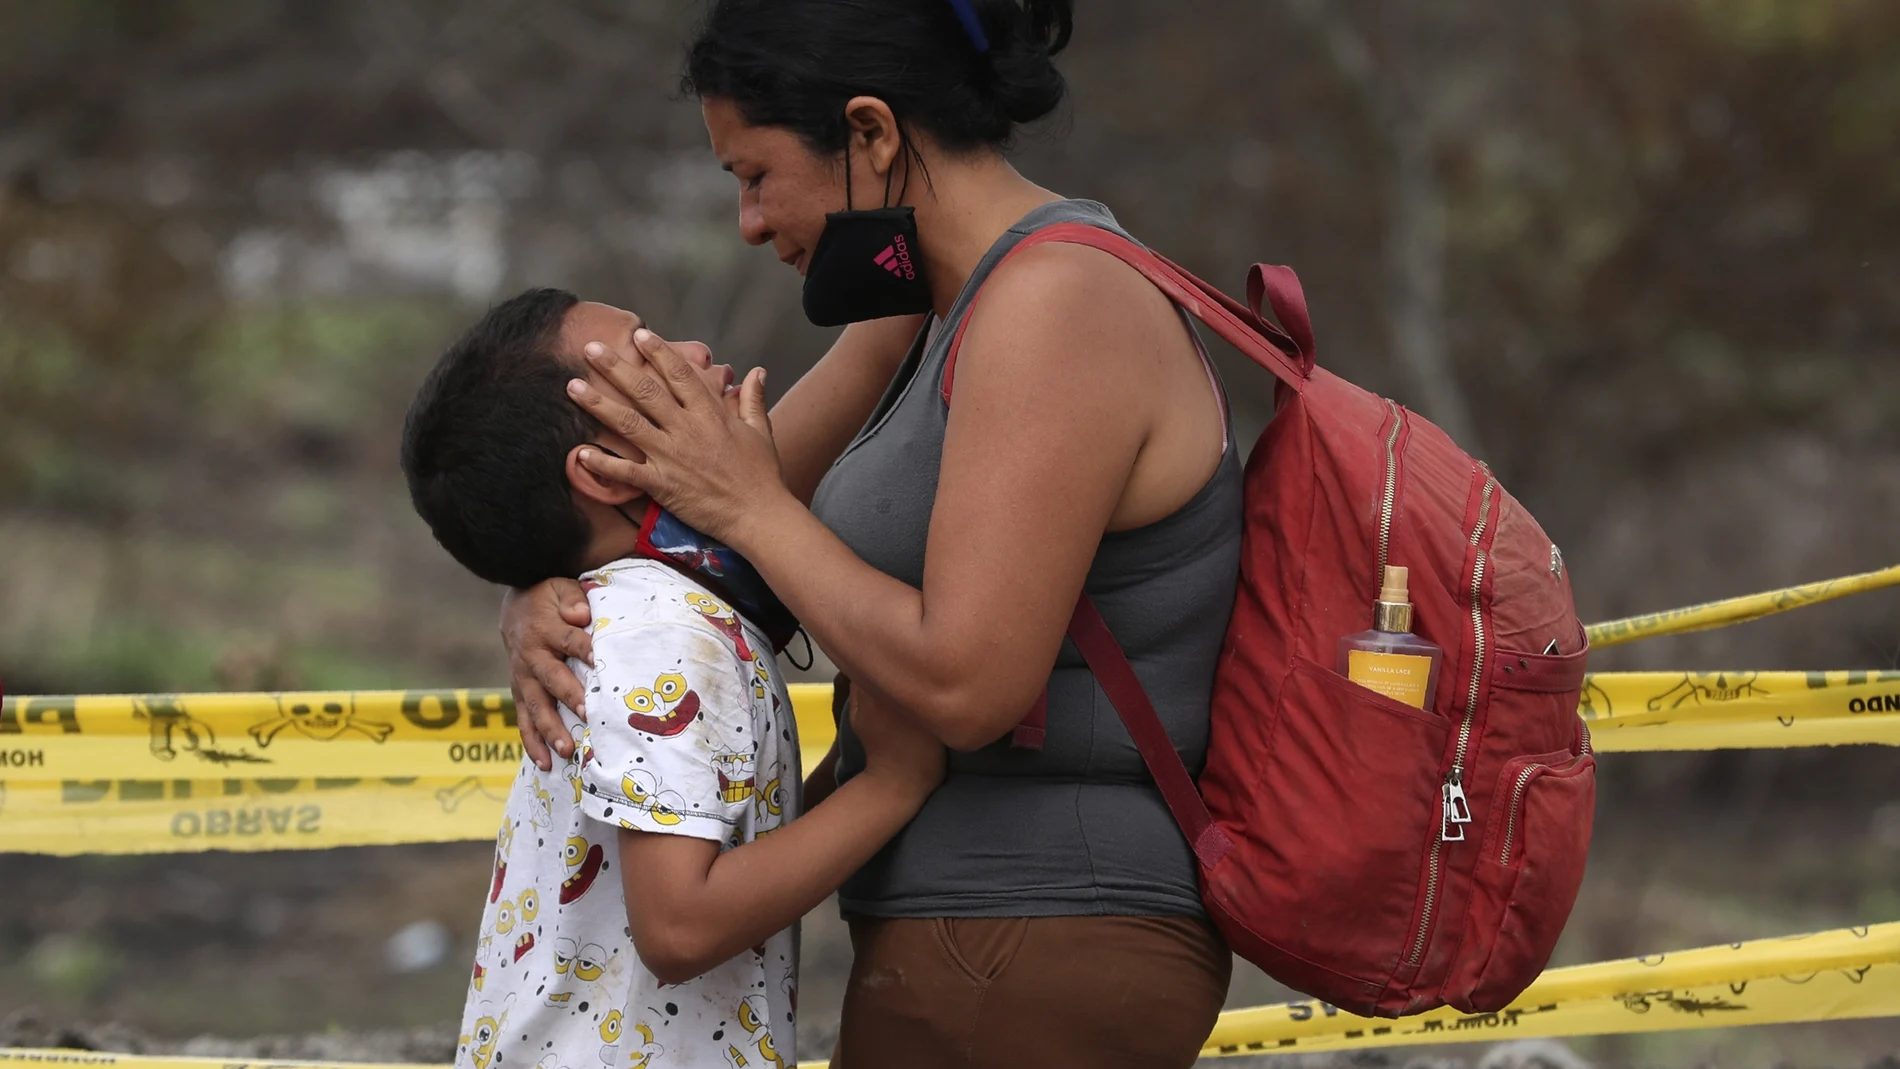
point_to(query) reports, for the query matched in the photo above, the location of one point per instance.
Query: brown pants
(1042, 992)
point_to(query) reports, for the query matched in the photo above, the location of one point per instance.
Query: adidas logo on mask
(896, 259)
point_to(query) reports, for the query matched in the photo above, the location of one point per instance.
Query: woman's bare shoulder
(1060, 298)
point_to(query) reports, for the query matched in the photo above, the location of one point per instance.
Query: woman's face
(785, 189)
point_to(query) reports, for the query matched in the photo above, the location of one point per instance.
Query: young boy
(645, 891)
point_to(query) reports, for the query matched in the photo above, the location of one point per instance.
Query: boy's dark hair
(485, 443)
(794, 63)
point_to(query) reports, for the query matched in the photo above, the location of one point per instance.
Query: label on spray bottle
(1399, 676)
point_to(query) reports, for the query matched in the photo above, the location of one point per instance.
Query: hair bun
(1024, 39)
(795, 64)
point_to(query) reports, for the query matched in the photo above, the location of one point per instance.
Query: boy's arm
(823, 779)
(691, 907)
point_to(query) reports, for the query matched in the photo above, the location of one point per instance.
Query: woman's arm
(543, 625)
(1057, 388)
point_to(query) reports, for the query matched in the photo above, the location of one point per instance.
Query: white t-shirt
(689, 732)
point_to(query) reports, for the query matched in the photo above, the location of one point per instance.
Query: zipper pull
(1450, 830)
(1457, 808)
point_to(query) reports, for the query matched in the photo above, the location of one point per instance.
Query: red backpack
(1382, 858)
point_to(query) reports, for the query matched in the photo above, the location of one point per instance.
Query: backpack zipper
(1388, 509)
(1455, 808)
(1389, 499)
(1517, 798)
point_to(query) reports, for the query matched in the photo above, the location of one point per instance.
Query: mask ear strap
(906, 154)
(893, 171)
(847, 167)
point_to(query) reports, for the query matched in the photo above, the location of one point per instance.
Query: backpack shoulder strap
(1244, 328)
(1111, 669)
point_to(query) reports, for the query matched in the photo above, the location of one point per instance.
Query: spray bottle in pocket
(1390, 659)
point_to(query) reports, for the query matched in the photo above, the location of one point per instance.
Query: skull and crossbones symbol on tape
(1695, 688)
(321, 717)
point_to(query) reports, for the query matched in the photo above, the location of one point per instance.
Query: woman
(1042, 910)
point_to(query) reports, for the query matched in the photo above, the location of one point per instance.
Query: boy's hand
(896, 748)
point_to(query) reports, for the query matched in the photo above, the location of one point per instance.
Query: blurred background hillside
(1643, 256)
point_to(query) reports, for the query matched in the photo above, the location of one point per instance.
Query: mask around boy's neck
(712, 564)
(718, 567)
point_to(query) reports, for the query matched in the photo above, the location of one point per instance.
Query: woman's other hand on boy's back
(896, 748)
(542, 627)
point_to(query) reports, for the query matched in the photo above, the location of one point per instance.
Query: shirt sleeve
(669, 723)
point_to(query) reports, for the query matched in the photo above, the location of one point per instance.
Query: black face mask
(866, 265)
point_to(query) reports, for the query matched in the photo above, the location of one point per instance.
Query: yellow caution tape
(122, 774)
(134, 774)
(399, 733)
(1737, 610)
(1642, 699)
(1770, 735)
(179, 772)
(1740, 710)
(158, 816)
(1826, 976)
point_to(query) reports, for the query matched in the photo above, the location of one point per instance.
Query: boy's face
(613, 327)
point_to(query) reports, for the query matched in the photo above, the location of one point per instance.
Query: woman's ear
(592, 486)
(874, 132)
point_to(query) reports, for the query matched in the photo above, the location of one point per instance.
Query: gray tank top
(1077, 827)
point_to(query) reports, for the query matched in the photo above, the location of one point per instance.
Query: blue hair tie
(966, 14)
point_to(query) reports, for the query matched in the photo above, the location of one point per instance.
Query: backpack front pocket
(1527, 878)
(1351, 782)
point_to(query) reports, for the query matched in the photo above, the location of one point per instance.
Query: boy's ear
(592, 486)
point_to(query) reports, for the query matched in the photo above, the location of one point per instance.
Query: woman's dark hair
(794, 63)
(485, 444)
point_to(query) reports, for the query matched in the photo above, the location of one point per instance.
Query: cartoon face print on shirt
(721, 616)
(756, 1042)
(664, 709)
(577, 973)
(520, 913)
(646, 1054)
(584, 862)
(762, 681)
(769, 803)
(642, 788)
(542, 815)
(504, 845)
(481, 1039)
(572, 771)
(560, 990)
(738, 775)
(610, 1029)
